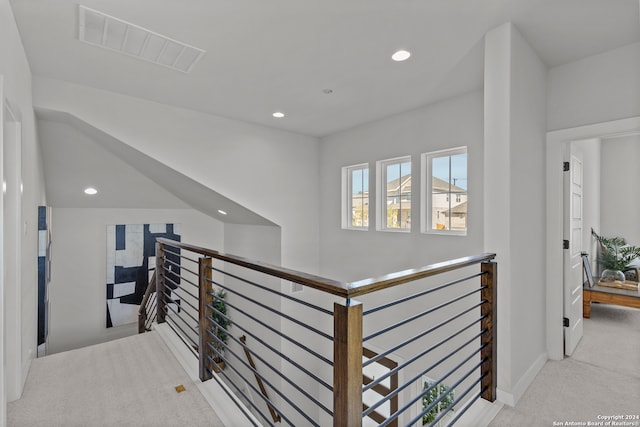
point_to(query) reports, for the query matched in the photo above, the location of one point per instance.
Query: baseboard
(511, 398)
(480, 414)
(215, 394)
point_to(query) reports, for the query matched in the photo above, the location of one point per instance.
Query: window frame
(381, 193)
(347, 197)
(426, 219)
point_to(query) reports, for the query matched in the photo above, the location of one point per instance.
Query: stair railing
(308, 345)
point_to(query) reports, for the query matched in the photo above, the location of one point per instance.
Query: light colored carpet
(601, 378)
(126, 382)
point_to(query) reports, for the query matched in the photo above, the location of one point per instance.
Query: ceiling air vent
(99, 29)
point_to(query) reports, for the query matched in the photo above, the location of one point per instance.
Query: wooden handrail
(342, 289)
(142, 313)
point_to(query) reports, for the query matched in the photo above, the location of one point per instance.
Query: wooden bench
(608, 295)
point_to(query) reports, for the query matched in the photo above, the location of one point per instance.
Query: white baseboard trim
(512, 397)
(214, 393)
(480, 414)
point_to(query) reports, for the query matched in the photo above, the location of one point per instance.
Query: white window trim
(426, 175)
(381, 193)
(347, 199)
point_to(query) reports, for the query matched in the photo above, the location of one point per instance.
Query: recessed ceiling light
(278, 114)
(221, 212)
(90, 191)
(401, 55)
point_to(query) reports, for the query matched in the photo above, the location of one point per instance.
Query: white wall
(515, 130)
(619, 179)
(350, 255)
(78, 269)
(596, 89)
(16, 76)
(271, 172)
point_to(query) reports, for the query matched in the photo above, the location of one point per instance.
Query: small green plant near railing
(222, 321)
(431, 396)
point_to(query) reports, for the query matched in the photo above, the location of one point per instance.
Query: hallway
(133, 383)
(601, 379)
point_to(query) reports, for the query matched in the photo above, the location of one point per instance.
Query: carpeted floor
(126, 382)
(602, 378)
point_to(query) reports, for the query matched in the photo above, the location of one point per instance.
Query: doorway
(556, 143)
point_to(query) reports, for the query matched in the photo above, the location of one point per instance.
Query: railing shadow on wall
(417, 348)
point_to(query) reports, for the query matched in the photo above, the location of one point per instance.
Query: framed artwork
(131, 250)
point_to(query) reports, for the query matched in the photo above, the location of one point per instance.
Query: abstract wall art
(131, 250)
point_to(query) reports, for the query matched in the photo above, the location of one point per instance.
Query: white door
(572, 260)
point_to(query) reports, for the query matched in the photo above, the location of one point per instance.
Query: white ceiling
(77, 155)
(262, 56)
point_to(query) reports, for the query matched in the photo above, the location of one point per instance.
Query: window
(444, 177)
(355, 200)
(432, 392)
(394, 194)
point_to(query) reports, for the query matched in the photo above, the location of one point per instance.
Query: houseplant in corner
(615, 257)
(220, 326)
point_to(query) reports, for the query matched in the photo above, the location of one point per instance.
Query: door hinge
(565, 244)
(565, 166)
(565, 322)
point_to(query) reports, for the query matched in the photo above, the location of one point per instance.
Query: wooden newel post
(347, 365)
(205, 301)
(489, 337)
(160, 283)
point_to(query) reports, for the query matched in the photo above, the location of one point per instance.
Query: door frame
(556, 142)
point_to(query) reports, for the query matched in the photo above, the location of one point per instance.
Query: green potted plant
(221, 325)
(615, 257)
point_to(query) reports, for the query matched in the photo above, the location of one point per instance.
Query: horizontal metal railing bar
(257, 391)
(273, 291)
(424, 371)
(195, 261)
(420, 294)
(274, 311)
(279, 353)
(419, 315)
(266, 381)
(179, 277)
(435, 383)
(442, 396)
(375, 284)
(277, 332)
(182, 289)
(228, 383)
(461, 411)
(397, 347)
(276, 351)
(180, 266)
(310, 280)
(457, 400)
(178, 316)
(427, 351)
(181, 292)
(382, 390)
(346, 290)
(278, 371)
(183, 311)
(224, 386)
(181, 336)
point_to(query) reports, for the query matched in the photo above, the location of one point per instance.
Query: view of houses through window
(446, 190)
(359, 190)
(396, 176)
(444, 193)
